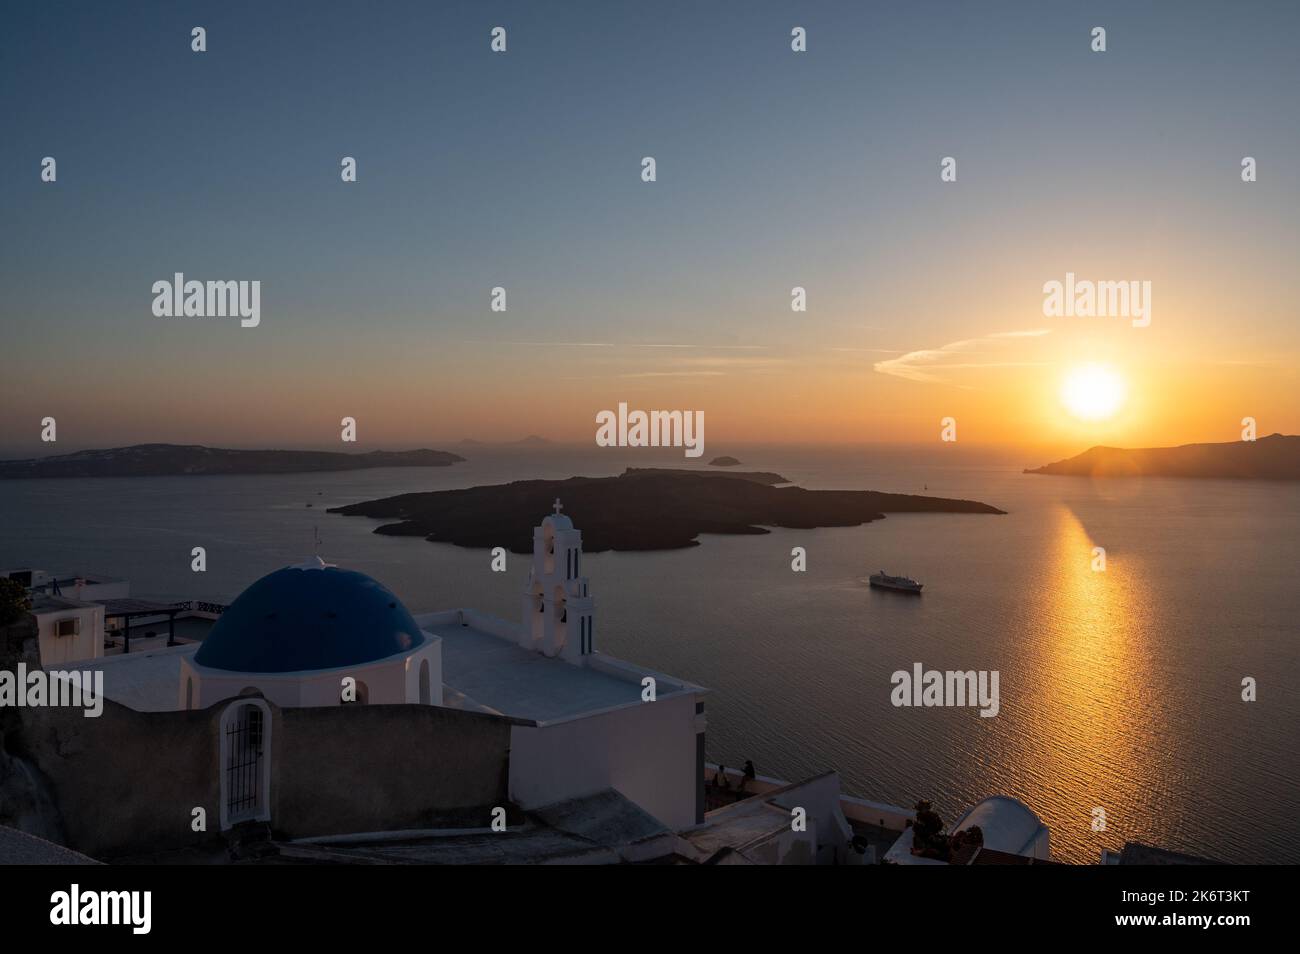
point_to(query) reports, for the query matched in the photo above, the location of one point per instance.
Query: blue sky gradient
(522, 170)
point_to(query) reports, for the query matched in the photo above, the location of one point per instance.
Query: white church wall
(646, 752)
(634, 673)
(390, 681)
(440, 618)
(430, 656)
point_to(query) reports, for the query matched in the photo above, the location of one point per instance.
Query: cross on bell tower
(557, 608)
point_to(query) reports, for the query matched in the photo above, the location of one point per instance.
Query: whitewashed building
(68, 630)
(318, 635)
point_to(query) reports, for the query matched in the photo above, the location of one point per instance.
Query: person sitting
(749, 775)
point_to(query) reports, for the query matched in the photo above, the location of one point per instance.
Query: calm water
(1119, 690)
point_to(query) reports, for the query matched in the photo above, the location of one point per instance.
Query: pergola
(128, 609)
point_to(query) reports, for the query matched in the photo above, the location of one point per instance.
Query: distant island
(165, 460)
(1276, 457)
(723, 461)
(532, 440)
(757, 476)
(638, 510)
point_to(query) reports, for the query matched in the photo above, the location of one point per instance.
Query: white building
(1009, 826)
(319, 635)
(68, 630)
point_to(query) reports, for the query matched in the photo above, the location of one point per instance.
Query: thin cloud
(546, 344)
(930, 365)
(674, 374)
(706, 347)
(1032, 333)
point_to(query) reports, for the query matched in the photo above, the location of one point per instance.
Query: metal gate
(244, 764)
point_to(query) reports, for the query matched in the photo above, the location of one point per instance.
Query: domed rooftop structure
(306, 617)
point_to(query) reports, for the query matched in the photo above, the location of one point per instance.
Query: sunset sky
(775, 169)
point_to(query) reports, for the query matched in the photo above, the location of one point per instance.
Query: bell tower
(557, 609)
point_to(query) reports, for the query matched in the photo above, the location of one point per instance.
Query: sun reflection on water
(1083, 721)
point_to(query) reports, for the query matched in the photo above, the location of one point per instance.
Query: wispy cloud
(544, 344)
(930, 365)
(868, 350)
(706, 347)
(674, 374)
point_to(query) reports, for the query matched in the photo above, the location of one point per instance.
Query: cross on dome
(557, 506)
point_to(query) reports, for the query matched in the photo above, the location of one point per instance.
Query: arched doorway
(245, 762)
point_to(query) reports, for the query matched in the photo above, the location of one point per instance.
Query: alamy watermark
(40, 688)
(651, 429)
(193, 299)
(1075, 298)
(932, 687)
(97, 908)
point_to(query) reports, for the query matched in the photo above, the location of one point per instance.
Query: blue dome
(309, 617)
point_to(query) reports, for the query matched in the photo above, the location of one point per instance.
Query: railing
(200, 606)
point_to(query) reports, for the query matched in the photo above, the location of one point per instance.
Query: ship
(902, 584)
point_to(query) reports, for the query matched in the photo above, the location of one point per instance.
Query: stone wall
(127, 782)
(341, 769)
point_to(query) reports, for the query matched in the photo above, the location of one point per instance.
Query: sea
(1121, 710)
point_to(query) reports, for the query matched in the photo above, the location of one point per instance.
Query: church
(314, 634)
(317, 705)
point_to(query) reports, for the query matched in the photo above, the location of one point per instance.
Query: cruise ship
(903, 584)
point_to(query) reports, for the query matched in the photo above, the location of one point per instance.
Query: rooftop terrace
(145, 681)
(496, 673)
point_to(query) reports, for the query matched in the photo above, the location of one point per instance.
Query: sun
(1093, 392)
